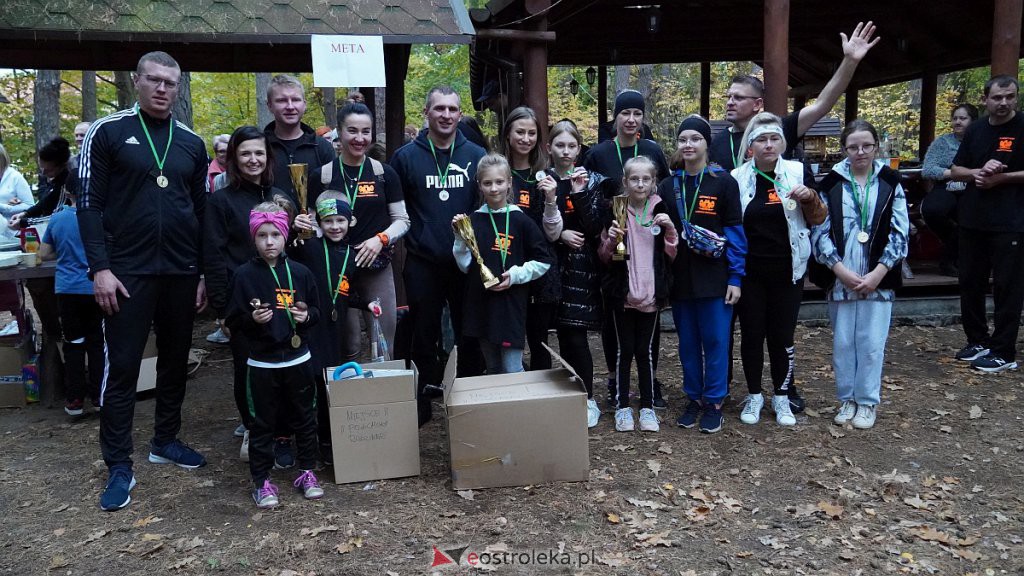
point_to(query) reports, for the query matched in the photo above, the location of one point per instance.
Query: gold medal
(352, 221)
(161, 181)
(863, 237)
(334, 315)
(296, 341)
(790, 204)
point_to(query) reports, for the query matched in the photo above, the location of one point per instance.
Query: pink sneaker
(265, 496)
(309, 485)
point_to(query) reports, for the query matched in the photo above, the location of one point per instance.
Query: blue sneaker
(176, 452)
(711, 420)
(117, 494)
(690, 415)
(283, 456)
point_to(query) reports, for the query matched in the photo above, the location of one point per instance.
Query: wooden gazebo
(224, 35)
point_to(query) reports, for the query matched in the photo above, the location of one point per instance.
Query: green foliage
(431, 65)
(222, 102)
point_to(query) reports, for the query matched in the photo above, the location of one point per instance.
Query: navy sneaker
(796, 401)
(117, 494)
(659, 401)
(175, 452)
(991, 363)
(283, 456)
(711, 420)
(972, 352)
(690, 415)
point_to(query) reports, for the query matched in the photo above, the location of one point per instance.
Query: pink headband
(278, 219)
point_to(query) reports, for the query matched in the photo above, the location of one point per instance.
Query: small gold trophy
(619, 204)
(299, 181)
(464, 228)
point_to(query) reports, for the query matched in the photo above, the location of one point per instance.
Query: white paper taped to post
(346, 61)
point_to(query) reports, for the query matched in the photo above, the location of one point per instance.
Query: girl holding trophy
(508, 251)
(638, 247)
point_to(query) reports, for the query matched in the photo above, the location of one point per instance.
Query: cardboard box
(374, 427)
(12, 386)
(516, 429)
(147, 371)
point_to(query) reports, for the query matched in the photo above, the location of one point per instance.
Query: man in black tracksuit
(143, 194)
(438, 175)
(293, 142)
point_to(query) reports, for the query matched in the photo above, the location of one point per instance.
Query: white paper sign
(347, 61)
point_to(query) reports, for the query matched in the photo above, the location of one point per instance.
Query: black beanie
(628, 99)
(696, 123)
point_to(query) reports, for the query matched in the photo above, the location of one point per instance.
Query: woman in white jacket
(778, 210)
(15, 194)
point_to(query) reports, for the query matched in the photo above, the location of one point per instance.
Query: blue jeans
(860, 329)
(703, 325)
(501, 359)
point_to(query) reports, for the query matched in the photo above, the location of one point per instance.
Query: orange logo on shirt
(1005, 144)
(706, 205)
(773, 197)
(285, 298)
(343, 286)
(502, 242)
(367, 189)
(524, 198)
(569, 208)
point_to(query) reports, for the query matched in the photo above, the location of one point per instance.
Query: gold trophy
(299, 181)
(619, 204)
(464, 228)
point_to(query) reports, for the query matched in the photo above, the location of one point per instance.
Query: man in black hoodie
(438, 175)
(293, 142)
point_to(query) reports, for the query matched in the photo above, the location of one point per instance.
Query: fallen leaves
(916, 502)
(654, 466)
(975, 412)
(833, 511)
(94, 536)
(314, 532)
(143, 522)
(466, 494)
(656, 539)
(613, 518)
(646, 503)
(349, 545)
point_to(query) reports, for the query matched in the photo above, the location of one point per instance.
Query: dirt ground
(934, 488)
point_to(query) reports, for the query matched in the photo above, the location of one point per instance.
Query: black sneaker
(991, 363)
(972, 352)
(689, 417)
(711, 420)
(796, 401)
(283, 456)
(117, 494)
(658, 402)
(176, 452)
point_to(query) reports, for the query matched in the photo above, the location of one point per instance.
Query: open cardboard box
(516, 429)
(374, 426)
(12, 385)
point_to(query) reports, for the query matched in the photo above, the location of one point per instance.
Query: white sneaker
(649, 420)
(783, 413)
(847, 410)
(593, 413)
(865, 418)
(244, 452)
(752, 411)
(217, 337)
(624, 420)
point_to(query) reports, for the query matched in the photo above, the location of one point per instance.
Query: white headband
(764, 129)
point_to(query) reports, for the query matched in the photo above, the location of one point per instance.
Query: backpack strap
(325, 173)
(378, 168)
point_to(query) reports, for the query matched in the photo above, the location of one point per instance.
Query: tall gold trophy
(464, 228)
(619, 204)
(299, 181)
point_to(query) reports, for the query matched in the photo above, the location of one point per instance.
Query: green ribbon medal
(790, 203)
(161, 180)
(862, 205)
(332, 288)
(354, 193)
(296, 341)
(442, 177)
(502, 248)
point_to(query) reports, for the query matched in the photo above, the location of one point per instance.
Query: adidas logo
(131, 140)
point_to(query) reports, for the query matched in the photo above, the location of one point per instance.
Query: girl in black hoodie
(274, 302)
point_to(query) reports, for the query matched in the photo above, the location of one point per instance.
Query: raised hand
(859, 42)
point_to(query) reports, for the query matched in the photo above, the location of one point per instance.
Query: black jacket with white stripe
(129, 224)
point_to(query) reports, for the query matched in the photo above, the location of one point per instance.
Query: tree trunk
(330, 107)
(125, 89)
(183, 105)
(263, 115)
(88, 95)
(645, 73)
(380, 114)
(621, 79)
(46, 106)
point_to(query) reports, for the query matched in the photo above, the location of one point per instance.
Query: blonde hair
(5, 160)
(639, 163)
(759, 120)
(285, 81)
(492, 161)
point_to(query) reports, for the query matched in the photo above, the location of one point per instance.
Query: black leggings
(611, 346)
(768, 310)
(574, 347)
(539, 317)
(635, 333)
(275, 394)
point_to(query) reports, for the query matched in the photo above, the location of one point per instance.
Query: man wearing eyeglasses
(745, 98)
(143, 193)
(991, 224)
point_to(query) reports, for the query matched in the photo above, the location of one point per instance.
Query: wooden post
(370, 99)
(535, 68)
(776, 55)
(851, 105)
(929, 92)
(396, 65)
(1006, 23)
(602, 95)
(705, 89)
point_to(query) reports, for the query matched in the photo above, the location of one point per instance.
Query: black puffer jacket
(580, 270)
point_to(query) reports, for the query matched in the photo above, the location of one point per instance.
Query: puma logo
(457, 168)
